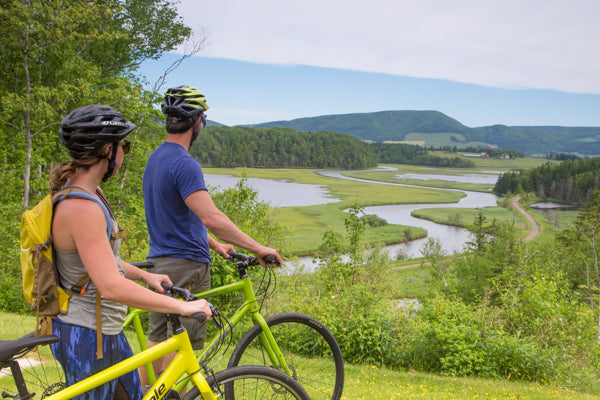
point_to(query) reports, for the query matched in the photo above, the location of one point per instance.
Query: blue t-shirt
(170, 176)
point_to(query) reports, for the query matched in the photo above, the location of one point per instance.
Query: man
(180, 212)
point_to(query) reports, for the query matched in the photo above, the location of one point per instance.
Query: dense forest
(278, 147)
(415, 155)
(570, 181)
(221, 146)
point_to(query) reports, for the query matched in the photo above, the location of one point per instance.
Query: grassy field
(308, 224)
(373, 383)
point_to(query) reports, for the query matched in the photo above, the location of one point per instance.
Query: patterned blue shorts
(76, 352)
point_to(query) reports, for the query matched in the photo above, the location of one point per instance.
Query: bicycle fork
(269, 344)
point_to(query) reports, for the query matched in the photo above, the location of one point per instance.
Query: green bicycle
(245, 382)
(296, 344)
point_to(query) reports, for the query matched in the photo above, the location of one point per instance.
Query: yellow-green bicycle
(297, 344)
(245, 382)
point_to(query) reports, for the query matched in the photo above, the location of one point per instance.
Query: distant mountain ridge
(433, 128)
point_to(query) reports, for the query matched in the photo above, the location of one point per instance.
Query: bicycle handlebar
(248, 261)
(186, 295)
(142, 264)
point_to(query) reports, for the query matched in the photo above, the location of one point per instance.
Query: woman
(94, 136)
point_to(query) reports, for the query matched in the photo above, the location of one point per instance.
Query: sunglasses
(203, 119)
(126, 145)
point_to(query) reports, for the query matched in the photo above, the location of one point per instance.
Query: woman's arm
(138, 274)
(85, 223)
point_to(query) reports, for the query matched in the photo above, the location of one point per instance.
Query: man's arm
(222, 227)
(220, 248)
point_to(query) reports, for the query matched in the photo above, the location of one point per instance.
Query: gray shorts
(184, 273)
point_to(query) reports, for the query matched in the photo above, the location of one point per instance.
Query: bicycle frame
(250, 305)
(183, 363)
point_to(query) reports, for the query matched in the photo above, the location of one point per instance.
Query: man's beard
(195, 135)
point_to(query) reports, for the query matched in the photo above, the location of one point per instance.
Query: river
(286, 194)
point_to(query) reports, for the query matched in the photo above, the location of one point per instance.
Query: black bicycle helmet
(184, 102)
(85, 130)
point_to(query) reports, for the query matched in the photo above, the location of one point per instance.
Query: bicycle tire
(252, 382)
(303, 341)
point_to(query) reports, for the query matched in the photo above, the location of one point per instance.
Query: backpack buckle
(80, 290)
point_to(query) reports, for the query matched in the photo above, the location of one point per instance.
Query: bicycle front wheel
(309, 349)
(252, 382)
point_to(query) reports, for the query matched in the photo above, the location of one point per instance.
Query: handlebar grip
(166, 286)
(143, 264)
(199, 316)
(270, 260)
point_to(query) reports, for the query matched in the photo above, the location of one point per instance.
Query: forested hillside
(433, 128)
(378, 126)
(278, 147)
(570, 181)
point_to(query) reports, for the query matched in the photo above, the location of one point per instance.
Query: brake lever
(215, 313)
(167, 288)
(271, 260)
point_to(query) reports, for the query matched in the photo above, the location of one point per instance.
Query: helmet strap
(111, 162)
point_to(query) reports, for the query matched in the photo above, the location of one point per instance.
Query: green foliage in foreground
(502, 311)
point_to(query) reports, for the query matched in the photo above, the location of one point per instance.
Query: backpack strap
(70, 192)
(81, 286)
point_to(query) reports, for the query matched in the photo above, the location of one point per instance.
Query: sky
(481, 62)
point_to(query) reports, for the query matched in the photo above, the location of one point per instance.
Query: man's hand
(223, 248)
(265, 251)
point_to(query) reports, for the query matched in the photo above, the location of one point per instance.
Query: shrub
(11, 293)
(373, 220)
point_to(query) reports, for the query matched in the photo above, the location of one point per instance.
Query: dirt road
(535, 229)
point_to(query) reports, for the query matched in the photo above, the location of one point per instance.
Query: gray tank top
(82, 308)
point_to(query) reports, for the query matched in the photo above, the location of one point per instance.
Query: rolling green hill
(433, 128)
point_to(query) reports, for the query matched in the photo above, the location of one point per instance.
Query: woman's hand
(196, 306)
(154, 281)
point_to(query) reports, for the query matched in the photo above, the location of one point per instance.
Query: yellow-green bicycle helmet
(184, 102)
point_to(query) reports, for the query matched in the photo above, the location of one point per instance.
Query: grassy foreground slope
(374, 383)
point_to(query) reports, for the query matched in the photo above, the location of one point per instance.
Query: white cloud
(554, 44)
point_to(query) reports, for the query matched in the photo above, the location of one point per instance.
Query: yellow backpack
(41, 281)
